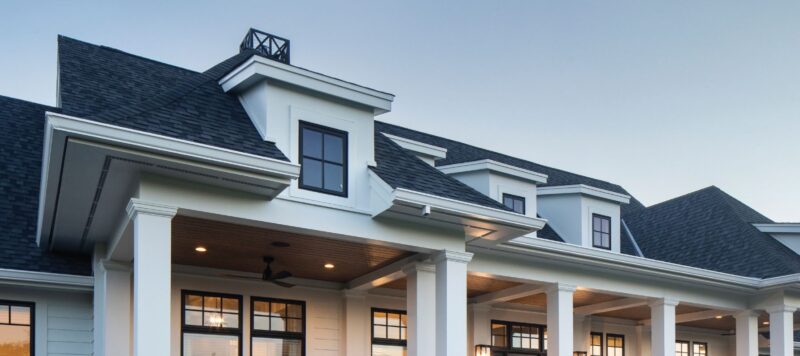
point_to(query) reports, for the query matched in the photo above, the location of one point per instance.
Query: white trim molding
(46, 280)
(779, 228)
(494, 166)
(452, 256)
(138, 206)
(258, 68)
(584, 189)
(421, 148)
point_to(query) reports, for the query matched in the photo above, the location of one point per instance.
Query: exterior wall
(494, 185)
(62, 320)
(276, 111)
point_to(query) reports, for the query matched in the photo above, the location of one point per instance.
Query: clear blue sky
(661, 97)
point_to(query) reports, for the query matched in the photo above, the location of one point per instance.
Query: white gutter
(46, 280)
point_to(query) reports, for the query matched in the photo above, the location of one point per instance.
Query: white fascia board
(417, 147)
(494, 166)
(639, 266)
(779, 228)
(258, 68)
(584, 189)
(46, 280)
(469, 210)
(150, 142)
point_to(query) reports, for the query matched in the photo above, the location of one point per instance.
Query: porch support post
(662, 316)
(357, 323)
(112, 306)
(152, 260)
(560, 319)
(746, 333)
(480, 330)
(420, 292)
(781, 334)
(451, 302)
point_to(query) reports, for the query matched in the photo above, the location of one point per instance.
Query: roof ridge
(116, 50)
(499, 153)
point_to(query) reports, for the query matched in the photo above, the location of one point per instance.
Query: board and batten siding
(63, 323)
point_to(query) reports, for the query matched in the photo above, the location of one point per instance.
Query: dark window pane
(606, 226)
(334, 177)
(230, 305)
(334, 149)
(596, 223)
(499, 340)
(312, 143)
(519, 206)
(278, 309)
(507, 201)
(312, 173)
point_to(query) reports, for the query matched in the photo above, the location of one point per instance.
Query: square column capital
(138, 206)
(745, 314)
(666, 301)
(780, 308)
(451, 256)
(561, 287)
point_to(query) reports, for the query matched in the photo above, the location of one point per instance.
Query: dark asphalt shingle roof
(22, 138)
(709, 229)
(459, 152)
(113, 87)
(401, 169)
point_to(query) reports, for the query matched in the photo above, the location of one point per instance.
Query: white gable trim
(494, 166)
(585, 190)
(417, 147)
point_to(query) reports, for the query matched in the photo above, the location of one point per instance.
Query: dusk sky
(663, 98)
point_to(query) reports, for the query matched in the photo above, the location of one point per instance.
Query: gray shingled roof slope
(110, 86)
(458, 152)
(21, 135)
(400, 169)
(710, 229)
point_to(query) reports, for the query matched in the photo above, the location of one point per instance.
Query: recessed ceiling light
(765, 323)
(329, 266)
(718, 317)
(200, 249)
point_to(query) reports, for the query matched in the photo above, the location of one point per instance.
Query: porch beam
(508, 294)
(610, 306)
(383, 275)
(690, 317)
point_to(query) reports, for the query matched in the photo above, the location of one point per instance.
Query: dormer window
(515, 203)
(601, 231)
(323, 156)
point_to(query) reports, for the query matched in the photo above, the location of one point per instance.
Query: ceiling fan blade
(281, 275)
(240, 277)
(283, 284)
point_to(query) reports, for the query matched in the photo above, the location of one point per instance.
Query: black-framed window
(615, 345)
(16, 328)
(323, 157)
(211, 323)
(278, 327)
(699, 349)
(682, 348)
(596, 346)
(601, 231)
(510, 338)
(514, 202)
(389, 332)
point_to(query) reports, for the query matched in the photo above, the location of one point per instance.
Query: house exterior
(260, 208)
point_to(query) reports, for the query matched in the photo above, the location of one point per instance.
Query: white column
(451, 302)
(420, 292)
(781, 334)
(112, 306)
(480, 326)
(357, 323)
(662, 315)
(559, 319)
(746, 333)
(152, 260)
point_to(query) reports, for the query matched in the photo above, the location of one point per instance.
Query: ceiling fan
(268, 276)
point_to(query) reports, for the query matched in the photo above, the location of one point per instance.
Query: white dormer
(513, 186)
(336, 118)
(428, 153)
(583, 215)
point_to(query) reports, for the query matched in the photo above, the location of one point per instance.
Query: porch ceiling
(241, 248)
(580, 298)
(476, 285)
(643, 312)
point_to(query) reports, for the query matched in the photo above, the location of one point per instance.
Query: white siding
(63, 320)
